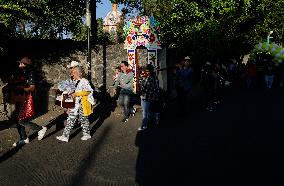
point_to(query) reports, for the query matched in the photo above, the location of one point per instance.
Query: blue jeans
(268, 81)
(147, 114)
(124, 100)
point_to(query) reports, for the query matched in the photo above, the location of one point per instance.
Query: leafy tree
(44, 19)
(214, 28)
(41, 18)
(103, 36)
(120, 31)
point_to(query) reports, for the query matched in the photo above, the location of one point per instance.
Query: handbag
(27, 110)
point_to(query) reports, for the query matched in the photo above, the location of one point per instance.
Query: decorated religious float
(142, 32)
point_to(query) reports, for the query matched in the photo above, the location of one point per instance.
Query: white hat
(187, 58)
(74, 64)
(208, 63)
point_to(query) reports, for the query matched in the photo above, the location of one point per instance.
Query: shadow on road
(9, 153)
(6, 124)
(78, 178)
(103, 110)
(239, 144)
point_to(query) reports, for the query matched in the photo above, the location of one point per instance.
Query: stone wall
(51, 68)
(104, 60)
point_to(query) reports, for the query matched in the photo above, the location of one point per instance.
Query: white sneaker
(21, 142)
(41, 133)
(84, 138)
(62, 138)
(27, 140)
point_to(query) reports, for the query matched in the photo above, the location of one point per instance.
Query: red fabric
(251, 70)
(27, 110)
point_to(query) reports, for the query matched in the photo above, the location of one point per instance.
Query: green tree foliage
(120, 32)
(214, 28)
(103, 36)
(41, 18)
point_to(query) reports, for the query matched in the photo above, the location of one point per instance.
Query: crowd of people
(214, 77)
(82, 94)
(149, 93)
(260, 73)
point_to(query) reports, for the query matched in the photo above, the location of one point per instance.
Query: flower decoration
(273, 49)
(67, 85)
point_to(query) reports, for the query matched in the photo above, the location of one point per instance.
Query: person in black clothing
(117, 91)
(25, 110)
(149, 96)
(209, 80)
(220, 83)
(269, 75)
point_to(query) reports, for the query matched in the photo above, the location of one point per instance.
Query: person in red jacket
(251, 75)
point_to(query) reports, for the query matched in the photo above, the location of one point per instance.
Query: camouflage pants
(71, 120)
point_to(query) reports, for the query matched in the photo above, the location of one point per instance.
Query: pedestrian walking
(251, 74)
(115, 78)
(26, 110)
(209, 80)
(125, 82)
(269, 75)
(220, 88)
(180, 86)
(149, 97)
(84, 102)
(184, 78)
(281, 66)
(187, 75)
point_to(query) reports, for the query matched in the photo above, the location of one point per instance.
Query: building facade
(112, 20)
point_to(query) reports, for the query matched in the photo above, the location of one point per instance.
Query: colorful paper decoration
(142, 31)
(273, 49)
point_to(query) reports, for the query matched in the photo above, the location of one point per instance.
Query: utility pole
(88, 24)
(93, 7)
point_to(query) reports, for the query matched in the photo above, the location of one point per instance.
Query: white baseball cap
(187, 58)
(208, 63)
(74, 64)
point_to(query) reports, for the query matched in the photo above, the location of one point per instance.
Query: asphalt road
(239, 144)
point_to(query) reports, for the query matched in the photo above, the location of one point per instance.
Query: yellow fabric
(82, 93)
(86, 105)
